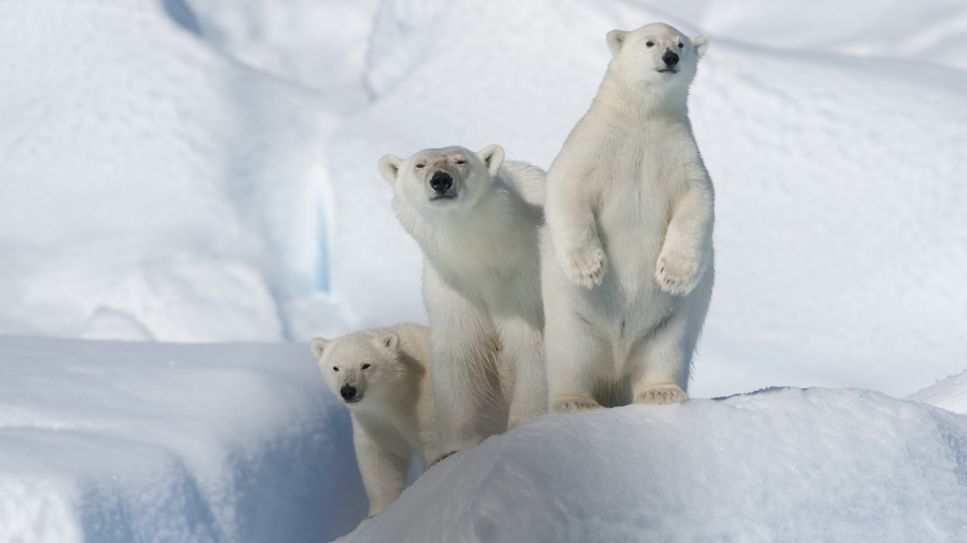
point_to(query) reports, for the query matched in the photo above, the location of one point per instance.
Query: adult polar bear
(477, 220)
(627, 272)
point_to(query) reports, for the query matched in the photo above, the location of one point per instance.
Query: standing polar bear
(627, 264)
(477, 220)
(383, 377)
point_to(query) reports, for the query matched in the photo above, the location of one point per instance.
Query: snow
(204, 171)
(949, 393)
(778, 465)
(113, 441)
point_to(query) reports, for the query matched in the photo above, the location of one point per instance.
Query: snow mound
(149, 177)
(950, 393)
(110, 442)
(780, 465)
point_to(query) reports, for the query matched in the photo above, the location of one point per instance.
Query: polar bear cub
(383, 376)
(477, 219)
(627, 261)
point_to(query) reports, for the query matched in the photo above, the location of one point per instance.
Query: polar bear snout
(670, 58)
(350, 393)
(441, 183)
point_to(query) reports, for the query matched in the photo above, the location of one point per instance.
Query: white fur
(627, 260)
(394, 420)
(481, 286)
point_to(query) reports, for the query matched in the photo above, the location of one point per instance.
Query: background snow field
(205, 171)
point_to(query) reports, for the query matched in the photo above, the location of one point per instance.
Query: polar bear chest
(641, 176)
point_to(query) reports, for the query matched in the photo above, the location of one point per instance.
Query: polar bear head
(363, 368)
(655, 57)
(451, 178)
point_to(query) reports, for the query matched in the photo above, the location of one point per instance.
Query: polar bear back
(526, 179)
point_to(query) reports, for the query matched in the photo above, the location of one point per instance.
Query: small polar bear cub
(477, 220)
(627, 261)
(383, 377)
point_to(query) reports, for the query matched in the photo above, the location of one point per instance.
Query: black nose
(348, 392)
(670, 58)
(441, 182)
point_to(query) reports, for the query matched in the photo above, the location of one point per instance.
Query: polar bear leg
(574, 362)
(522, 344)
(466, 384)
(660, 366)
(384, 473)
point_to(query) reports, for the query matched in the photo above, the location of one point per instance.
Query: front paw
(661, 394)
(585, 266)
(574, 404)
(677, 274)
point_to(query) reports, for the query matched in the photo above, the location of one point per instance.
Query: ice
(779, 465)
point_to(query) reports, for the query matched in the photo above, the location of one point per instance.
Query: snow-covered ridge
(949, 393)
(109, 442)
(781, 465)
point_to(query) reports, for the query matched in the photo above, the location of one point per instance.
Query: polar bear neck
(500, 225)
(640, 105)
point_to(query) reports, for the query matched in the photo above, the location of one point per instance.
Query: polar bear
(383, 376)
(477, 219)
(627, 260)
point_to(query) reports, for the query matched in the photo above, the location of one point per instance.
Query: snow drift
(778, 465)
(121, 442)
(949, 393)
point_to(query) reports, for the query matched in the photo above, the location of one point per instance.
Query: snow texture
(949, 393)
(125, 442)
(778, 465)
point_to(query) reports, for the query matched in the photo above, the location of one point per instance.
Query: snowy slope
(780, 465)
(111, 442)
(949, 393)
(153, 187)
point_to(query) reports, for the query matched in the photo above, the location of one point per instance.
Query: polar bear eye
(461, 162)
(680, 45)
(366, 366)
(649, 43)
(421, 165)
(335, 368)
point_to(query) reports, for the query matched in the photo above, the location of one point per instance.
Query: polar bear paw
(572, 404)
(586, 266)
(661, 394)
(677, 275)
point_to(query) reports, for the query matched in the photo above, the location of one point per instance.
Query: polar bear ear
(493, 157)
(389, 341)
(318, 346)
(700, 44)
(389, 168)
(616, 39)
